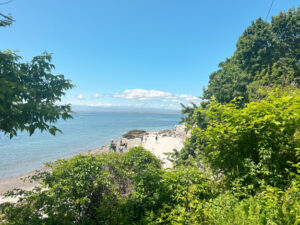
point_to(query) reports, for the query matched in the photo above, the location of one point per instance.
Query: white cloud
(96, 96)
(100, 104)
(188, 98)
(176, 100)
(142, 95)
(80, 97)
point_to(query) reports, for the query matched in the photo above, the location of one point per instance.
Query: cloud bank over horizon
(142, 98)
(143, 95)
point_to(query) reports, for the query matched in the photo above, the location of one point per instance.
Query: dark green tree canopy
(29, 94)
(266, 55)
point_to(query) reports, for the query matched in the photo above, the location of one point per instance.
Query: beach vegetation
(250, 146)
(107, 189)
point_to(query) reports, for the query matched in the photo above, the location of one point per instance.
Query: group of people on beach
(123, 145)
(113, 146)
(142, 138)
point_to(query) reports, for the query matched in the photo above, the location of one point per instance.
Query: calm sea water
(86, 131)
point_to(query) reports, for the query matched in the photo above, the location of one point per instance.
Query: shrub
(271, 206)
(86, 189)
(251, 146)
(138, 159)
(73, 191)
(185, 190)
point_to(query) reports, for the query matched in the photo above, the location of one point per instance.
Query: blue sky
(142, 53)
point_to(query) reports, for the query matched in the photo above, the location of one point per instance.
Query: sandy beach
(167, 140)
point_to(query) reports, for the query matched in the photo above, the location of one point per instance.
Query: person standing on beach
(123, 144)
(142, 139)
(156, 138)
(112, 146)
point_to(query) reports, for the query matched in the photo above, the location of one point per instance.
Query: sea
(86, 131)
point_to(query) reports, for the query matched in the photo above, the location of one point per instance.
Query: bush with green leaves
(183, 189)
(140, 159)
(80, 190)
(218, 207)
(146, 180)
(131, 188)
(86, 189)
(251, 146)
(271, 206)
(109, 188)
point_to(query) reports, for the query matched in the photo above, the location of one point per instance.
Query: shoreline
(167, 141)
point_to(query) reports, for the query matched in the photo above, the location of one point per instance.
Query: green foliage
(228, 82)
(109, 189)
(266, 55)
(185, 156)
(271, 206)
(80, 190)
(190, 119)
(89, 189)
(185, 189)
(250, 146)
(146, 183)
(29, 93)
(140, 159)
(247, 134)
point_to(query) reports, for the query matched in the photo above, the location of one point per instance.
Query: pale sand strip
(167, 141)
(163, 145)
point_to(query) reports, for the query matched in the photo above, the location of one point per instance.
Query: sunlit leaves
(251, 144)
(29, 94)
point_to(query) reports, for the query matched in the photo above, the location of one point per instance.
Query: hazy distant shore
(167, 141)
